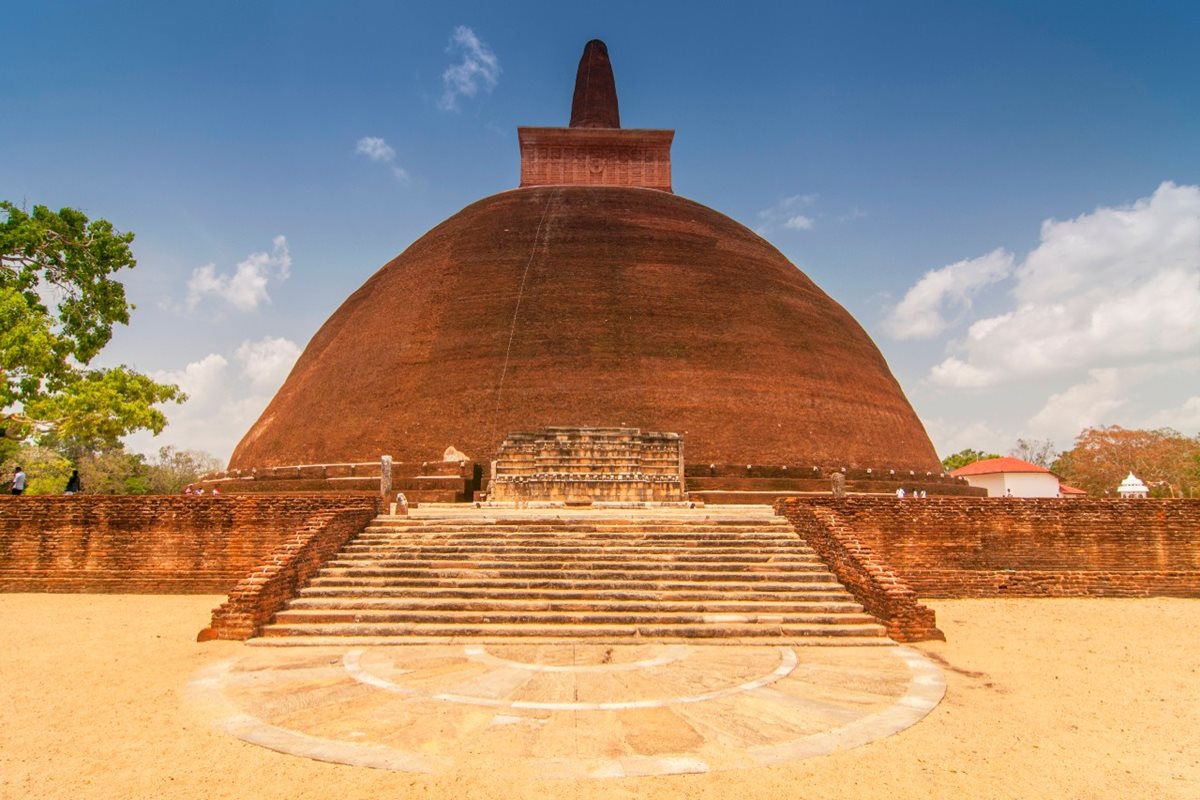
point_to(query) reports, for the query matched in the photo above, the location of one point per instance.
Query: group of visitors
(17, 484)
(915, 493)
(189, 489)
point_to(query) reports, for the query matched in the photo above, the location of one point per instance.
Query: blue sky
(1004, 195)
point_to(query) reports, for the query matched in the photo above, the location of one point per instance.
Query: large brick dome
(591, 296)
(591, 305)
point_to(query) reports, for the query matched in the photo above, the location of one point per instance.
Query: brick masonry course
(154, 544)
(949, 547)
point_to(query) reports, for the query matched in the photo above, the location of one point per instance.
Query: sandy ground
(1046, 698)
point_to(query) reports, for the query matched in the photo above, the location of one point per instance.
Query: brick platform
(153, 545)
(980, 547)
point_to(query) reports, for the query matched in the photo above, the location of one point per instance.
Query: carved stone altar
(583, 465)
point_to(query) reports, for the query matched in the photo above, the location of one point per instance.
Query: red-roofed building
(1010, 477)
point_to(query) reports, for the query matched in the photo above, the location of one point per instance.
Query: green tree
(114, 471)
(46, 471)
(58, 306)
(175, 469)
(964, 457)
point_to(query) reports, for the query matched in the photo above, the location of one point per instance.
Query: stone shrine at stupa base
(592, 298)
(588, 465)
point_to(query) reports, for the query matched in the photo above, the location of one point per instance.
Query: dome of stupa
(591, 296)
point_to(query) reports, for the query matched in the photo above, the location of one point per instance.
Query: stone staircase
(615, 575)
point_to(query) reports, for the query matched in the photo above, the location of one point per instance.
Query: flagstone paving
(567, 709)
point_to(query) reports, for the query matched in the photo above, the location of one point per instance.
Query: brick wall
(978, 547)
(152, 545)
(284, 572)
(883, 593)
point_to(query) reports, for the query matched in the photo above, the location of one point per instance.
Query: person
(73, 483)
(900, 492)
(18, 481)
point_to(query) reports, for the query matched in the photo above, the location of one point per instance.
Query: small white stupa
(1133, 487)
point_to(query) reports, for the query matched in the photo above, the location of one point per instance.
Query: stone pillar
(682, 484)
(839, 484)
(385, 478)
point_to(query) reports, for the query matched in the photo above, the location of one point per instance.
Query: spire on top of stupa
(595, 150)
(595, 102)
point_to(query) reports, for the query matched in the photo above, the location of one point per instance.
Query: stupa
(592, 295)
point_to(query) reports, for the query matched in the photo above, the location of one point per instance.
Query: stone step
(733, 528)
(422, 547)
(357, 557)
(587, 525)
(520, 617)
(492, 574)
(575, 572)
(582, 631)
(557, 561)
(821, 583)
(597, 543)
(560, 637)
(601, 603)
(654, 594)
(589, 522)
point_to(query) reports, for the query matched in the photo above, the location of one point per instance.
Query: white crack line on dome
(353, 665)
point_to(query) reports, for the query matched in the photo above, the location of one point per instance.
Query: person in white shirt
(18, 481)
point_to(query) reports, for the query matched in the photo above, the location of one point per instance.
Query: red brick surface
(154, 545)
(591, 306)
(595, 157)
(979, 547)
(881, 591)
(256, 598)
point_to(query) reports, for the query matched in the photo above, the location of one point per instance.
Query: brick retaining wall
(882, 592)
(979, 547)
(150, 544)
(256, 598)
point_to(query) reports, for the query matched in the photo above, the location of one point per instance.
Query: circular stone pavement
(570, 710)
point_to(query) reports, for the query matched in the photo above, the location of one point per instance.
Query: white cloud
(1118, 285)
(949, 437)
(268, 361)
(921, 314)
(223, 402)
(1184, 418)
(376, 149)
(200, 380)
(786, 214)
(479, 67)
(1081, 406)
(246, 288)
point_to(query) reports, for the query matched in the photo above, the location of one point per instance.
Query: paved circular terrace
(570, 710)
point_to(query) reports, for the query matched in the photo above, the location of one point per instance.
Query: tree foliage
(111, 470)
(175, 469)
(964, 457)
(1166, 461)
(46, 470)
(58, 305)
(1035, 451)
